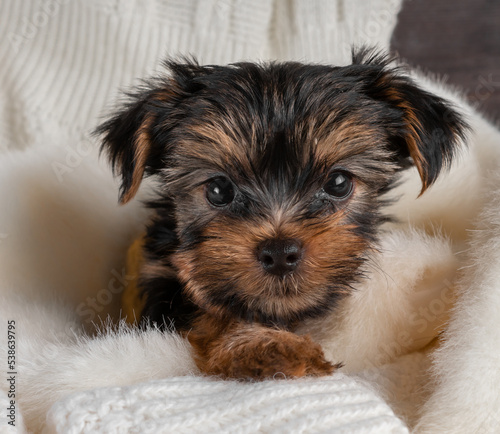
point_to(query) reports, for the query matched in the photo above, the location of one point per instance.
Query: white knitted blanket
(191, 405)
(63, 240)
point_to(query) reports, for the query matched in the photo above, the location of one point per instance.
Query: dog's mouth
(280, 300)
(287, 286)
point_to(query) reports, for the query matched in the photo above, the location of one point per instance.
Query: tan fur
(346, 140)
(154, 269)
(328, 244)
(412, 138)
(242, 350)
(142, 149)
(132, 302)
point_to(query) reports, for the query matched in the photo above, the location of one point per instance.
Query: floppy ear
(423, 126)
(137, 138)
(128, 142)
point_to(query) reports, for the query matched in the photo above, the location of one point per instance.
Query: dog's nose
(280, 257)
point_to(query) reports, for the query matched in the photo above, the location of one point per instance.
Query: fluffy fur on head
(271, 178)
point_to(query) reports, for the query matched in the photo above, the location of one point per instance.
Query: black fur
(266, 110)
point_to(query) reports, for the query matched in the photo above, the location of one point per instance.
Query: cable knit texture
(195, 405)
(65, 61)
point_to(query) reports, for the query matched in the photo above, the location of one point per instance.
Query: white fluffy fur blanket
(63, 241)
(68, 382)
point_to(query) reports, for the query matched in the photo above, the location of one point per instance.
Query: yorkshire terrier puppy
(269, 198)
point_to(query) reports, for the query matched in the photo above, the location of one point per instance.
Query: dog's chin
(283, 303)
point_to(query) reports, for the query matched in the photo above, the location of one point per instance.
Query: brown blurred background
(459, 39)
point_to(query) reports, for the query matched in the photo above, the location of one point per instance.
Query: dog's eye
(339, 185)
(220, 191)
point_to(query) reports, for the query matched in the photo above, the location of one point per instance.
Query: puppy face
(271, 175)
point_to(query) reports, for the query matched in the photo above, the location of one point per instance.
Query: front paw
(269, 353)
